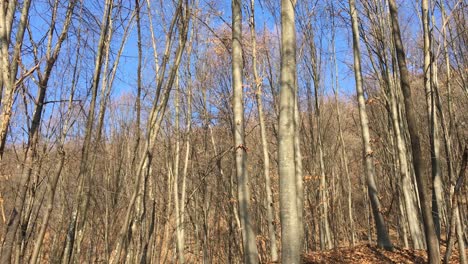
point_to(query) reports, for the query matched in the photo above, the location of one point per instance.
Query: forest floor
(366, 254)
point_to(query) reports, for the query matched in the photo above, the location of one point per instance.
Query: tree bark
(455, 215)
(79, 211)
(52, 54)
(248, 235)
(429, 229)
(290, 229)
(344, 155)
(437, 192)
(383, 239)
(10, 68)
(155, 119)
(263, 134)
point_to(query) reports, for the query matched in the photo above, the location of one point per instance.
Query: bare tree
(52, 53)
(155, 118)
(383, 239)
(290, 229)
(265, 149)
(248, 235)
(79, 212)
(429, 229)
(9, 67)
(437, 196)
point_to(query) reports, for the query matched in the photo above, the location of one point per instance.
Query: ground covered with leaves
(371, 254)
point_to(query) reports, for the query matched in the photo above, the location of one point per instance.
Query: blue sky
(219, 16)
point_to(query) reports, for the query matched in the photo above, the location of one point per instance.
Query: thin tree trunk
(181, 201)
(186, 162)
(430, 232)
(456, 214)
(248, 235)
(324, 226)
(33, 136)
(265, 149)
(409, 197)
(79, 211)
(52, 185)
(177, 202)
(325, 236)
(10, 68)
(344, 156)
(155, 119)
(408, 192)
(446, 127)
(138, 232)
(437, 192)
(383, 239)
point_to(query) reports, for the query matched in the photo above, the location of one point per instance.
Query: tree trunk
(429, 229)
(299, 172)
(248, 235)
(265, 150)
(52, 54)
(290, 229)
(344, 155)
(383, 239)
(455, 215)
(177, 200)
(10, 68)
(437, 192)
(79, 211)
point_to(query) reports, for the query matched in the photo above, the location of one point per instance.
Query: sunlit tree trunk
(290, 229)
(10, 66)
(383, 239)
(248, 235)
(437, 192)
(155, 119)
(429, 229)
(446, 126)
(409, 194)
(343, 153)
(52, 184)
(325, 235)
(188, 148)
(324, 226)
(299, 170)
(180, 200)
(178, 215)
(81, 202)
(52, 53)
(138, 231)
(409, 197)
(455, 215)
(265, 149)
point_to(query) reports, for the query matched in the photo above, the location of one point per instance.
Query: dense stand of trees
(162, 131)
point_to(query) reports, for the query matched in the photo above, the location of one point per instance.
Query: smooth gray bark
(437, 192)
(263, 134)
(383, 239)
(290, 229)
(248, 235)
(177, 200)
(429, 229)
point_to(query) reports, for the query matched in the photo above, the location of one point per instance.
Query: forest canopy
(243, 131)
